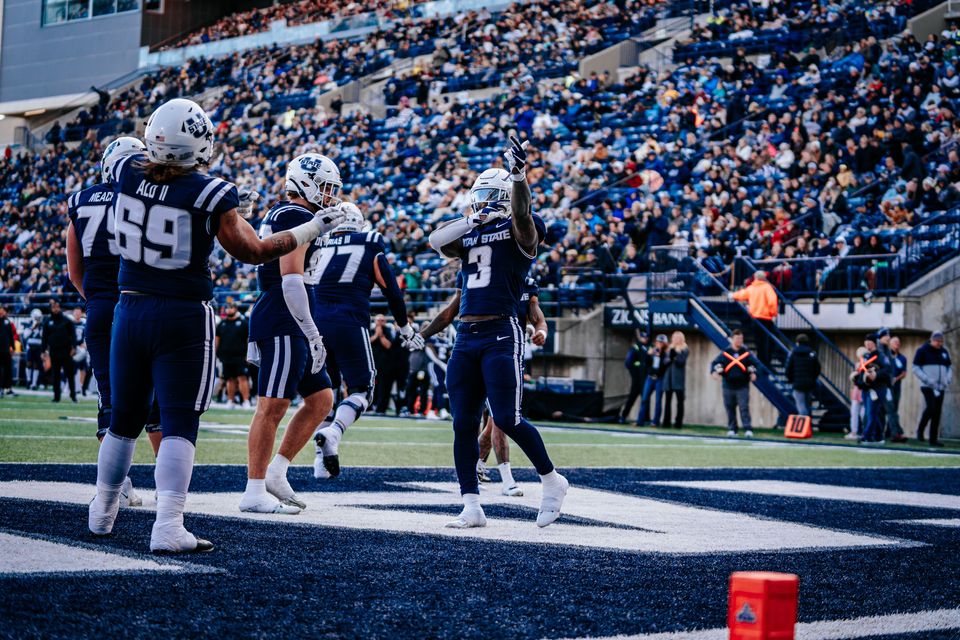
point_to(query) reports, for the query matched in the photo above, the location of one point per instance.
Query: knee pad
(364, 393)
(358, 400)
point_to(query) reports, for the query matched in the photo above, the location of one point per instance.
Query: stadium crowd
(244, 23)
(827, 157)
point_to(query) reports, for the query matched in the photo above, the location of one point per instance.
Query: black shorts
(234, 368)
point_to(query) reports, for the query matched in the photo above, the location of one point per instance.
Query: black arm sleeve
(392, 291)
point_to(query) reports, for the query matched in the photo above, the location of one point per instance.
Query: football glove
(247, 198)
(319, 354)
(516, 158)
(329, 218)
(411, 340)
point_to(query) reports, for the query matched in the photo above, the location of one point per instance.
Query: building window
(62, 11)
(154, 6)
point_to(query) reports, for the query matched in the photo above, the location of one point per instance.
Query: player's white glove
(319, 354)
(411, 340)
(247, 198)
(485, 215)
(516, 158)
(329, 218)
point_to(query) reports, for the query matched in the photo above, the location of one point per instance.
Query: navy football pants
(349, 355)
(285, 365)
(99, 325)
(166, 345)
(487, 364)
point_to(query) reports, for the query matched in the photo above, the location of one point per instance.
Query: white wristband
(307, 232)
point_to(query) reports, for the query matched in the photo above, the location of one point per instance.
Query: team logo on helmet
(310, 165)
(195, 127)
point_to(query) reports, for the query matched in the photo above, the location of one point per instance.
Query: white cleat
(267, 504)
(513, 491)
(176, 539)
(731, 433)
(100, 517)
(468, 519)
(278, 487)
(129, 497)
(748, 433)
(551, 502)
(319, 471)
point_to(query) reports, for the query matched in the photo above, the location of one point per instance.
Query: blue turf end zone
(318, 581)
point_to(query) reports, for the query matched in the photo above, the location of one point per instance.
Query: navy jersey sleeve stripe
(118, 168)
(206, 192)
(223, 191)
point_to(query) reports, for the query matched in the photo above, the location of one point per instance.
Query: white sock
(113, 465)
(471, 501)
(170, 505)
(323, 425)
(256, 487)
(551, 479)
(278, 466)
(346, 413)
(172, 475)
(506, 474)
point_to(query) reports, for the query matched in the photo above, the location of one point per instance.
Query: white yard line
(380, 443)
(920, 621)
(821, 492)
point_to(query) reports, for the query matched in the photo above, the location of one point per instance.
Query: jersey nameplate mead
(270, 316)
(342, 276)
(494, 268)
(91, 212)
(165, 232)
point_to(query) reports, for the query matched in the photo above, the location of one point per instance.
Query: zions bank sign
(663, 318)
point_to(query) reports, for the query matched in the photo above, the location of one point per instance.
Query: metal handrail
(836, 365)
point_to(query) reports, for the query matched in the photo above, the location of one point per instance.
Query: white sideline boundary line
(920, 621)
(562, 445)
(93, 463)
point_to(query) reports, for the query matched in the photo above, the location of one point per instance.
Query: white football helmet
(119, 148)
(353, 219)
(491, 187)
(36, 315)
(315, 178)
(180, 134)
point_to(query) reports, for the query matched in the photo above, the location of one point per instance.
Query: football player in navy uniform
(93, 263)
(291, 349)
(492, 436)
(344, 272)
(167, 214)
(497, 243)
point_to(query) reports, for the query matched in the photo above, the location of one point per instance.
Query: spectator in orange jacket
(762, 302)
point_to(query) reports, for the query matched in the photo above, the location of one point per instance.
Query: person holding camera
(653, 386)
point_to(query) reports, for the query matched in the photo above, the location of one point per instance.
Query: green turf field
(32, 429)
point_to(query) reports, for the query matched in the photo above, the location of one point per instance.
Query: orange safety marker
(798, 427)
(763, 605)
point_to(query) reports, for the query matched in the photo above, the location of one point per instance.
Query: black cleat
(203, 546)
(330, 463)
